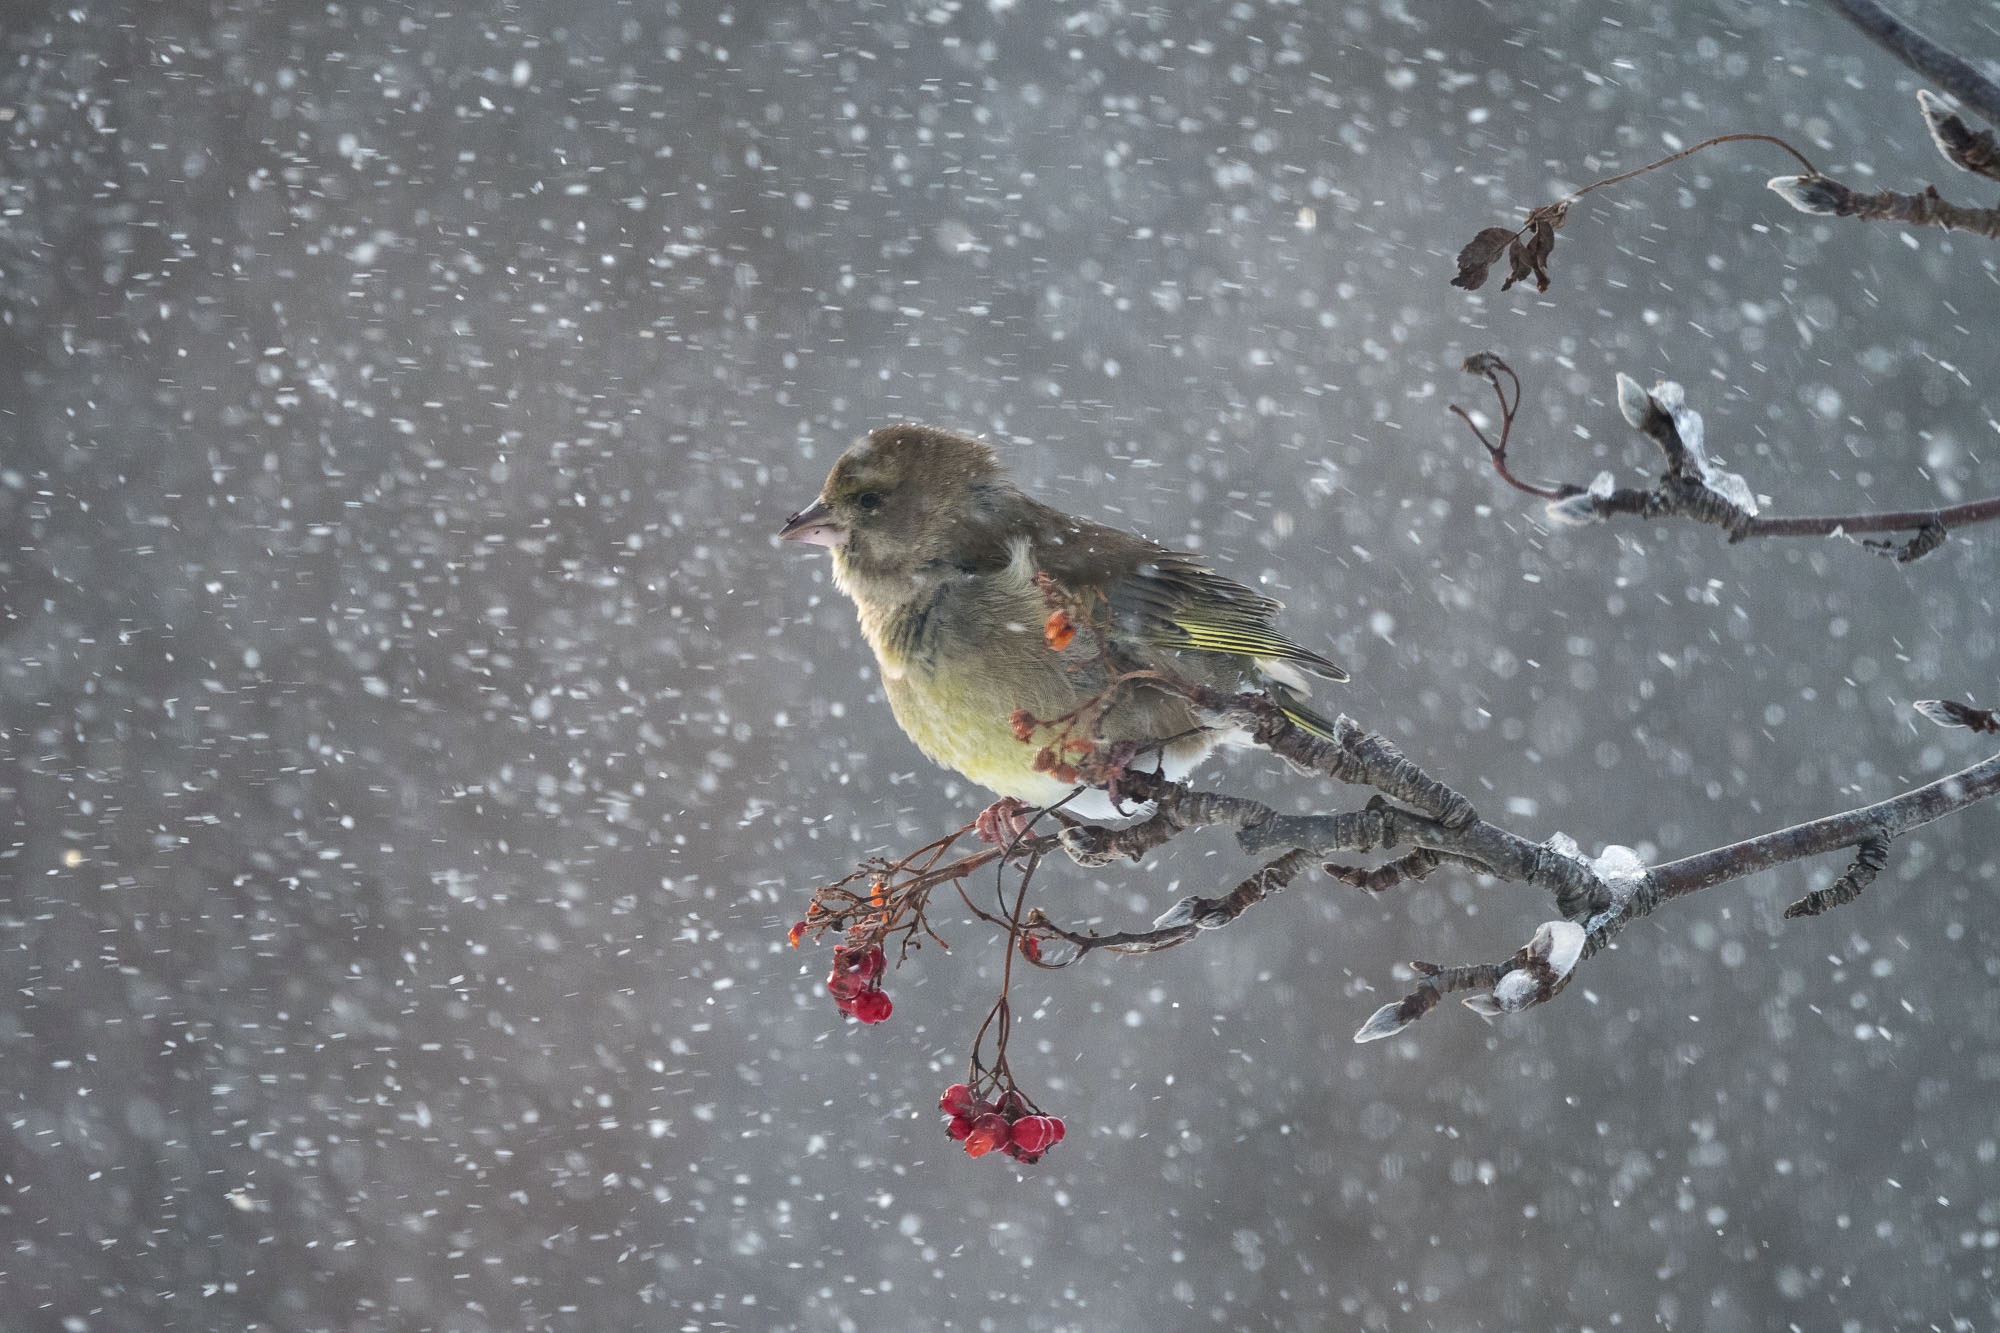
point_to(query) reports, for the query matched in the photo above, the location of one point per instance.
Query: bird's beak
(816, 525)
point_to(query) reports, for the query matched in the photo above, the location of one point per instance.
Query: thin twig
(1823, 196)
(1671, 158)
(1849, 828)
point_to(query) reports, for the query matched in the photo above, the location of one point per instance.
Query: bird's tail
(1303, 717)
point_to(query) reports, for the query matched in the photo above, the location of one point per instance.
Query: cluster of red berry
(1009, 1125)
(856, 982)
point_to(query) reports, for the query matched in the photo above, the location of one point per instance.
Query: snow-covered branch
(1694, 485)
(1598, 897)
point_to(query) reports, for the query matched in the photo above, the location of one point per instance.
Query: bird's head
(897, 503)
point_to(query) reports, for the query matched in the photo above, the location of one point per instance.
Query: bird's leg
(1116, 764)
(1005, 822)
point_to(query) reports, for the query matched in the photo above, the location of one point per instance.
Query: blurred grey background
(415, 744)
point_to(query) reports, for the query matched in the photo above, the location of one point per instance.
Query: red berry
(1013, 1105)
(958, 1127)
(988, 1132)
(1031, 948)
(1033, 1133)
(845, 985)
(871, 1006)
(957, 1100)
(1056, 1128)
(873, 963)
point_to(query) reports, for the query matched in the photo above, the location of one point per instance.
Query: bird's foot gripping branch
(880, 911)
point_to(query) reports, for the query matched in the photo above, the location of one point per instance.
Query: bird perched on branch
(1029, 650)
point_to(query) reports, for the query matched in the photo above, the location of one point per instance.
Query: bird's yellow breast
(959, 657)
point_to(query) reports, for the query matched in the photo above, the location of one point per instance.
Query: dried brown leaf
(1528, 256)
(1480, 255)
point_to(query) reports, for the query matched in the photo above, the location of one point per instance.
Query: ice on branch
(1560, 945)
(1580, 511)
(1548, 960)
(1384, 1022)
(1622, 873)
(1808, 194)
(1729, 485)
(1688, 425)
(1633, 401)
(1952, 713)
(1967, 149)
(1180, 914)
(1512, 993)
(1668, 396)
(1937, 711)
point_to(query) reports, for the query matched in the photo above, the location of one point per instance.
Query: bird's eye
(869, 499)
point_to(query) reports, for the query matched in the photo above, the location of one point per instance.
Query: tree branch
(1638, 891)
(1950, 72)
(1976, 151)
(1693, 487)
(1597, 897)
(1827, 197)
(1850, 828)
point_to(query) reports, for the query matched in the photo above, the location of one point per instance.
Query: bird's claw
(1005, 822)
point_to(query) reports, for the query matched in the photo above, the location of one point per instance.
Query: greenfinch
(1017, 643)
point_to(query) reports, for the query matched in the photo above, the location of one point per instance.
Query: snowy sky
(414, 744)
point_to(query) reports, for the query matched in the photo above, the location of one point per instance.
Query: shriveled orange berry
(1058, 630)
(989, 1131)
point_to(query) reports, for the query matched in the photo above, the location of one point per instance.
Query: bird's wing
(1200, 609)
(1170, 599)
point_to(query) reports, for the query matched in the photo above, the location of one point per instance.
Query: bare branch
(1952, 713)
(1597, 898)
(1851, 828)
(1958, 143)
(1826, 197)
(1529, 245)
(1415, 865)
(1214, 913)
(1868, 862)
(1693, 487)
(1948, 71)
(1508, 395)
(1536, 974)
(1869, 829)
